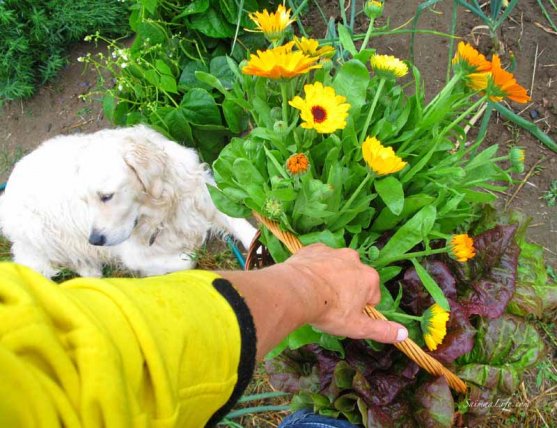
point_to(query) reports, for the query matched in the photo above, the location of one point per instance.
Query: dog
(127, 195)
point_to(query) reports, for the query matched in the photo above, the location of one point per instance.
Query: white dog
(124, 195)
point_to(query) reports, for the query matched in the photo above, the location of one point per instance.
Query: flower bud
(273, 208)
(516, 157)
(373, 9)
(280, 127)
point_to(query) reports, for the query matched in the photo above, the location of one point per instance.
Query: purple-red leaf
(493, 273)
(434, 404)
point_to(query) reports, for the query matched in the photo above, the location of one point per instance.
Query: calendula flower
(470, 60)
(434, 326)
(311, 47)
(504, 85)
(272, 25)
(388, 66)
(322, 109)
(382, 160)
(280, 63)
(462, 247)
(373, 9)
(516, 157)
(297, 164)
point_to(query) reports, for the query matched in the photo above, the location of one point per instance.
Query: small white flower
(120, 87)
(123, 65)
(87, 38)
(80, 59)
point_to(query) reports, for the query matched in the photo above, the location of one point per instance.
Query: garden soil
(58, 109)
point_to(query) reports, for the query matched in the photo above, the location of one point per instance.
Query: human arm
(327, 288)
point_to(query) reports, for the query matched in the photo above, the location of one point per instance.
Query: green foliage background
(34, 36)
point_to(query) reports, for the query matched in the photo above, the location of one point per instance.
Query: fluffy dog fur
(124, 195)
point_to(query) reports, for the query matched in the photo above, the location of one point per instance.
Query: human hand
(337, 288)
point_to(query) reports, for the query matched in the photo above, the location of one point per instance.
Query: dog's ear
(148, 162)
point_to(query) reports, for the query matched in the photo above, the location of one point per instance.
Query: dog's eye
(106, 197)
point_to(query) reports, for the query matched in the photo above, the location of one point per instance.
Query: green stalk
(259, 409)
(371, 110)
(454, 17)
(284, 92)
(526, 124)
(447, 88)
(400, 315)
(368, 34)
(462, 116)
(354, 195)
(413, 255)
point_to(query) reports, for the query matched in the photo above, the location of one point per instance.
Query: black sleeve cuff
(248, 351)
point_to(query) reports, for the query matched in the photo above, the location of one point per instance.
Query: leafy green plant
(34, 37)
(156, 77)
(550, 196)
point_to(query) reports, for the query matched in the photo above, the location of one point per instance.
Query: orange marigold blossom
(462, 247)
(280, 63)
(470, 59)
(297, 164)
(382, 160)
(504, 85)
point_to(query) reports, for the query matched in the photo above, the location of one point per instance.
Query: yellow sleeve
(175, 350)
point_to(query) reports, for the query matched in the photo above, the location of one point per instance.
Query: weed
(550, 196)
(9, 158)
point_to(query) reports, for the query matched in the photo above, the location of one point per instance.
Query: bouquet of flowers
(344, 150)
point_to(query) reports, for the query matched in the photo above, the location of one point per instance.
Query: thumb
(383, 331)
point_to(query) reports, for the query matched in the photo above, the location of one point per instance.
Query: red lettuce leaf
(434, 404)
(293, 371)
(490, 283)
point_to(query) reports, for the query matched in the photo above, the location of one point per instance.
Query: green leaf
(212, 24)
(227, 205)
(219, 68)
(194, 7)
(352, 81)
(178, 125)
(200, 107)
(109, 103)
(334, 240)
(431, 286)
(409, 234)
(150, 5)
(168, 84)
(235, 116)
(387, 221)
(346, 39)
(303, 336)
(391, 192)
(152, 31)
(211, 81)
(188, 78)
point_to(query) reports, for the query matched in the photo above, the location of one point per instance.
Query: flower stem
(284, 92)
(413, 255)
(372, 109)
(352, 198)
(463, 116)
(399, 315)
(368, 35)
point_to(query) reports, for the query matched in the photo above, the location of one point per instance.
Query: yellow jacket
(175, 350)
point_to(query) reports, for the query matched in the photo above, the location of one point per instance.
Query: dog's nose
(97, 238)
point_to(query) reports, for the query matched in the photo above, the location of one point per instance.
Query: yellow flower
(297, 164)
(322, 109)
(311, 47)
(388, 66)
(462, 247)
(503, 84)
(382, 160)
(434, 326)
(272, 25)
(279, 63)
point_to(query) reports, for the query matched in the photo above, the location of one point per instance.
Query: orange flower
(503, 84)
(280, 62)
(272, 25)
(297, 164)
(470, 59)
(462, 247)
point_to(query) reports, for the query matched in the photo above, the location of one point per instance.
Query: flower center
(319, 114)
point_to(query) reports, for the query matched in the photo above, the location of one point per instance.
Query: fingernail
(401, 334)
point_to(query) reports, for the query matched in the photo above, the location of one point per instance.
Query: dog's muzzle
(96, 238)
